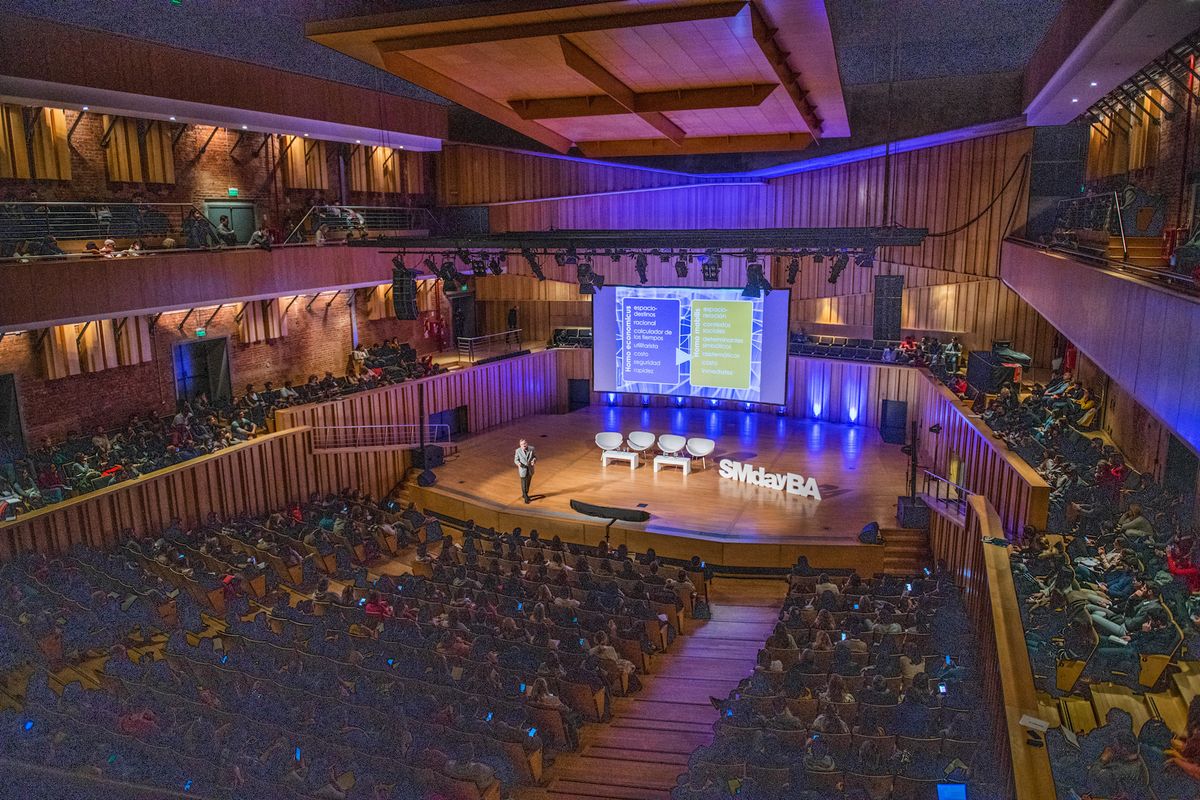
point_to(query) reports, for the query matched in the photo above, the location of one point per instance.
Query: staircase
(640, 753)
(905, 550)
(1144, 251)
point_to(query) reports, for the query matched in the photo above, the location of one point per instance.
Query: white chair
(609, 443)
(640, 441)
(669, 445)
(701, 448)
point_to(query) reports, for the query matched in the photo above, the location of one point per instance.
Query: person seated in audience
(911, 662)
(821, 641)
(1133, 523)
(242, 428)
(1184, 752)
(225, 234)
(912, 717)
(766, 663)
(877, 692)
(835, 691)
(1118, 770)
(830, 720)
(261, 238)
(780, 639)
(826, 585)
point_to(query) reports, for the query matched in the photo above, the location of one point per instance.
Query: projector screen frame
(785, 353)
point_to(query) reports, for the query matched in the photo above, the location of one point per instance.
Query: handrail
(474, 348)
(358, 221)
(1121, 225)
(1091, 259)
(939, 482)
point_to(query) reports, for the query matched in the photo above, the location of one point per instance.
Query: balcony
(1140, 332)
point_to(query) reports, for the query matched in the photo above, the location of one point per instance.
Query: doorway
(241, 216)
(579, 393)
(202, 367)
(12, 443)
(1182, 466)
(462, 316)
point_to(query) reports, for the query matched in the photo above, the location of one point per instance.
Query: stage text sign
(788, 482)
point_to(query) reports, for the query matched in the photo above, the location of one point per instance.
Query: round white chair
(640, 441)
(670, 444)
(609, 440)
(701, 448)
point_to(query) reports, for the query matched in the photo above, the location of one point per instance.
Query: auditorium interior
(600, 399)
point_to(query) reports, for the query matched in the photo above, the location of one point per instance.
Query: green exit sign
(233, 191)
(201, 333)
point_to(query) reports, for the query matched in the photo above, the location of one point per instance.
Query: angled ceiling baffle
(625, 78)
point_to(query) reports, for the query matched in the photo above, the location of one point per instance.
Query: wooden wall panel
(473, 175)
(1019, 494)
(253, 477)
(493, 393)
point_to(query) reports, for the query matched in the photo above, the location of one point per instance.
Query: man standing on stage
(525, 458)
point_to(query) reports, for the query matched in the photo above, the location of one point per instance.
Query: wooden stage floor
(858, 474)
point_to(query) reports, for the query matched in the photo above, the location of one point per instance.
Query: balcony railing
(1167, 278)
(479, 348)
(378, 437)
(37, 230)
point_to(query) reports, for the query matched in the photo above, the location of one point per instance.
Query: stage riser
(866, 559)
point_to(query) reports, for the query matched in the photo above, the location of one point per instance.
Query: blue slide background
(615, 370)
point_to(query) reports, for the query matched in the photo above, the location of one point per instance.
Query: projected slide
(692, 342)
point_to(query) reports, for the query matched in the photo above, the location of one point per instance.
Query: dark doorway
(462, 316)
(455, 419)
(579, 393)
(1181, 469)
(202, 367)
(12, 443)
(241, 217)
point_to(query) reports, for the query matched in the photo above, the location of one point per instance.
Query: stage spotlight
(935, 429)
(756, 282)
(640, 262)
(818, 258)
(478, 268)
(793, 269)
(865, 259)
(494, 265)
(590, 281)
(681, 268)
(535, 266)
(838, 266)
(710, 266)
(430, 265)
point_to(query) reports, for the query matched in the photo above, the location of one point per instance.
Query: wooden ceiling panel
(749, 73)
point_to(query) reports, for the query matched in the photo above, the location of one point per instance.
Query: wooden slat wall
(536, 319)
(51, 154)
(493, 393)
(984, 575)
(1019, 494)
(254, 477)
(14, 156)
(123, 155)
(472, 175)
(304, 163)
(940, 188)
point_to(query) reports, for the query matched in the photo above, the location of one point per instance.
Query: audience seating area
(928, 351)
(294, 656)
(83, 462)
(1108, 602)
(857, 694)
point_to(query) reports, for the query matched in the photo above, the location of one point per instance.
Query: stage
(723, 520)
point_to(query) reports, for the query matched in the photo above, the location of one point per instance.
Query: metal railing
(341, 223)
(55, 229)
(1164, 277)
(945, 491)
(478, 348)
(379, 437)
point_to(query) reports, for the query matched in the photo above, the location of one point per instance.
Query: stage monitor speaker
(893, 421)
(870, 534)
(404, 292)
(432, 456)
(426, 478)
(986, 373)
(912, 512)
(889, 294)
(609, 512)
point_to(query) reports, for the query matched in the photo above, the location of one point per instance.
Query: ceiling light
(85, 108)
(358, 141)
(1093, 83)
(244, 127)
(1074, 99)
(401, 146)
(304, 134)
(171, 118)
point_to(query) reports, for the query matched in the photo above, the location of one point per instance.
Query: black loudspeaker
(986, 373)
(426, 478)
(432, 456)
(404, 292)
(893, 421)
(607, 512)
(912, 512)
(889, 294)
(870, 534)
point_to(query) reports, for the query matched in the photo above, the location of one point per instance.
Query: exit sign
(233, 191)
(201, 333)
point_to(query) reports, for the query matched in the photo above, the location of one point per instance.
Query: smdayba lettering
(788, 482)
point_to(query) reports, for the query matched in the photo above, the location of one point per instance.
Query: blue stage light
(28, 724)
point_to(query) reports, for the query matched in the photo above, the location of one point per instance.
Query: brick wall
(319, 339)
